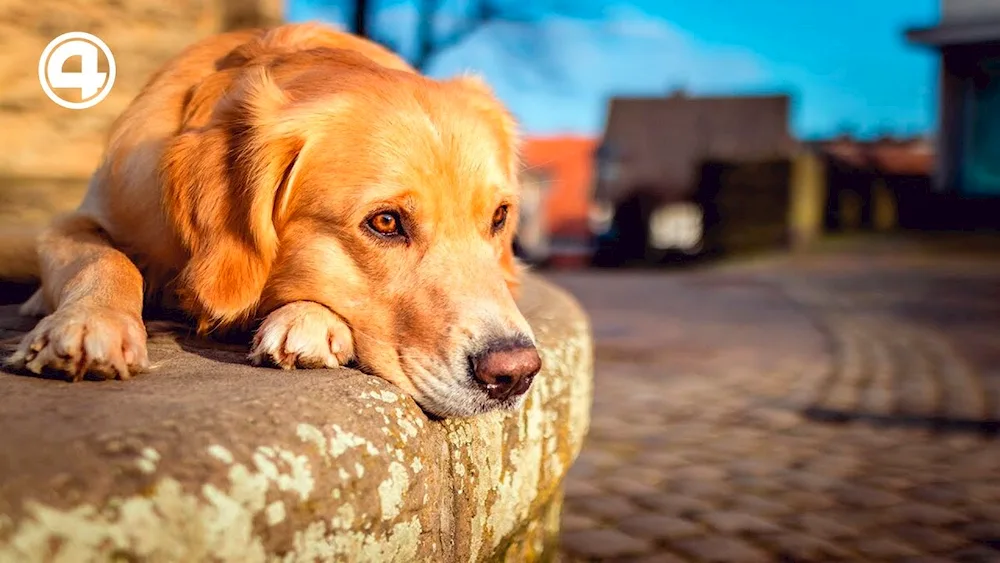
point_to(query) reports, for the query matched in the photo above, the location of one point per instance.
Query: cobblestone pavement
(834, 407)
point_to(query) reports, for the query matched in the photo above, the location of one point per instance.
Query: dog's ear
(224, 188)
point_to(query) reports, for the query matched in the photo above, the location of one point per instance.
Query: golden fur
(240, 185)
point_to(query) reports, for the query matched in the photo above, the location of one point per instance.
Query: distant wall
(42, 139)
(747, 205)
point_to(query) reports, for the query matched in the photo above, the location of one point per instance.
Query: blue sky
(556, 62)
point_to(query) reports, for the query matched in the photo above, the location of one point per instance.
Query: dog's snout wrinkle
(506, 368)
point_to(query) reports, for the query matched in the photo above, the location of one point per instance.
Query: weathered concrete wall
(42, 139)
(207, 458)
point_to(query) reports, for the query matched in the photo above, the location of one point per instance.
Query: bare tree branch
(428, 43)
(361, 18)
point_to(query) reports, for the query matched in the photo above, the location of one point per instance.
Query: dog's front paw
(304, 335)
(79, 340)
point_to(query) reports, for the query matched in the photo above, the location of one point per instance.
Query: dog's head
(390, 198)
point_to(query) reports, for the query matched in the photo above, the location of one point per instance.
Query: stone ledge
(210, 459)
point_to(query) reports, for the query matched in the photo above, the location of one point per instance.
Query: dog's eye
(386, 224)
(499, 218)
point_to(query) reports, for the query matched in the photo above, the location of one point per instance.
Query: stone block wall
(43, 140)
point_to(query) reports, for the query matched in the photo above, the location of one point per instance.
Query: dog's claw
(77, 341)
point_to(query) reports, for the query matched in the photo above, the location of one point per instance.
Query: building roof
(893, 157)
(954, 34)
(659, 143)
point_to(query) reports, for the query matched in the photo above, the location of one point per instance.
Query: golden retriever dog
(307, 183)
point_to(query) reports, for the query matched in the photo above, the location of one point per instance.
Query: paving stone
(832, 526)
(731, 448)
(802, 548)
(929, 514)
(642, 474)
(721, 549)
(597, 457)
(807, 481)
(709, 490)
(575, 521)
(881, 547)
(928, 539)
(658, 527)
(605, 506)
(582, 470)
(603, 543)
(753, 467)
(759, 505)
(661, 557)
(962, 442)
(985, 492)
(733, 523)
(661, 460)
(581, 488)
(944, 494)
(693, 473)
(676, 504)
(806, 501)
(891, 483)
(604, 427)
(923, 451)
(775, 419)
(761, 484)
(629, 487)
(865, 497)
(840, 466)
(981, 511)
(975, 554)
(983, 531)
(979, 465)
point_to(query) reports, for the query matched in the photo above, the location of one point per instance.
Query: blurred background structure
(826, 389)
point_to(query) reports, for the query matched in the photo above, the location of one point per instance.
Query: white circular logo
(92, 84)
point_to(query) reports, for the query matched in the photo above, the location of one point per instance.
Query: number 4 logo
(92, 84)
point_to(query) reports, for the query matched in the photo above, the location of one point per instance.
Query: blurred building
(648, 190)
(556, 181)
(968, 42)
(876, 184)
(910, 156)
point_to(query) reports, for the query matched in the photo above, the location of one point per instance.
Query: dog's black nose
(505, 369)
